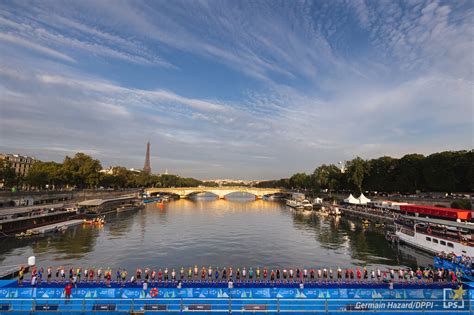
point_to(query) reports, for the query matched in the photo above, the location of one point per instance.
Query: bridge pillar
(221, 196)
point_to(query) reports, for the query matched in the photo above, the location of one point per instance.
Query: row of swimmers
(227, 273)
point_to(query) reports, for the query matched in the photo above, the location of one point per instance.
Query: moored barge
(95, 207)
(16, 220)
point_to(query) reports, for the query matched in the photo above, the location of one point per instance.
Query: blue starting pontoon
(218, 298)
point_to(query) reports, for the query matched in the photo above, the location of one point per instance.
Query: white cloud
(38, 48)
(323, 81)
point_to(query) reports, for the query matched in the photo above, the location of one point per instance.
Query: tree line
(449, 171)
(82, 171)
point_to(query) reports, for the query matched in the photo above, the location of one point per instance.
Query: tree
(461, 204)
(7, 174)
(82, 170)
(408, 175)
(300, 181)
(379, 174)
(438, 172)
(326, 177)
(357, 169)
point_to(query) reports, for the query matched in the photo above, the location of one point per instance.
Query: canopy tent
(351, 200)
(363, 200)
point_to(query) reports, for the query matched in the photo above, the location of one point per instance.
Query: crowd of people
(373, 210)
(463, 260)
(285, 275)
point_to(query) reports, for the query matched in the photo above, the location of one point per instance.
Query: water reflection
(208, 231)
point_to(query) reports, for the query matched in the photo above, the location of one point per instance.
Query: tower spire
(147, 167)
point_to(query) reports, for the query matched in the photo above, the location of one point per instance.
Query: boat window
(442, 243)
(435, 241)
(450, 245)
(428, 239)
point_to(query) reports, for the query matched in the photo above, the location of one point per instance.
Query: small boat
(307, 205)
(151, 200)
(292, 203)
(95, 221)
(334, 211)
(323, 211)
(60, 229)
(130, 207)
(23, 234)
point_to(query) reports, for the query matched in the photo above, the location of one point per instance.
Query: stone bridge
(221, 192)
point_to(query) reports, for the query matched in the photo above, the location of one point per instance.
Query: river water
(235, 232)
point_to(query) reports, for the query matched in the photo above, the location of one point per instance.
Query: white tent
(351, 200)
(363, 200)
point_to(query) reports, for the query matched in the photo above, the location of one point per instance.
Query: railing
(230, 305)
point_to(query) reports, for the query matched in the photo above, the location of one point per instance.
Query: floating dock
(53, 227)
(218, 298)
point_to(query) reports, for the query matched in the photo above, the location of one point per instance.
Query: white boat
(435, 235)
(333, 210)
(307, 205)
(323, 211)
(294, 204)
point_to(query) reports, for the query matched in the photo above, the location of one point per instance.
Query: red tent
(448, 213)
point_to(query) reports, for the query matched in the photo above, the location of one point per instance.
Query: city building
(20, 163)
(112, 170)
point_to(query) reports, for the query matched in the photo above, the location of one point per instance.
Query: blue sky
(235, 89)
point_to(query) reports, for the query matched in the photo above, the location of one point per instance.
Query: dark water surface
(214, 232)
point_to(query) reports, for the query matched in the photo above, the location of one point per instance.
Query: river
(235, 232)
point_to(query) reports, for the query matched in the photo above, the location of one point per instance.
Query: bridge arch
(221, 192)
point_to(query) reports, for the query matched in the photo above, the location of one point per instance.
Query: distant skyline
(235, 89)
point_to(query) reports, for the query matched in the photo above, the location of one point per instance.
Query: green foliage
(278, 183)
(461, 204)
(448, 171)
(81, 171)
(357, 169)
(326, 177)
(45, 173)
(301, 181)
(7, 174)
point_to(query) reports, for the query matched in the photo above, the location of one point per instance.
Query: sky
(235, 89)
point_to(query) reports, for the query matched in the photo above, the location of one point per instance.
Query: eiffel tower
(147, 167)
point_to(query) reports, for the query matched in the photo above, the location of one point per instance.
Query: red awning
(438, 211)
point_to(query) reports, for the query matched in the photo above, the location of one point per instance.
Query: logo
(454, 299)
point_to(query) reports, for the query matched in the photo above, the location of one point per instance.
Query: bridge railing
(233, 305)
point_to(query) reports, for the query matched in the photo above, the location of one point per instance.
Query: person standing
(67, 292)
(21, 275)
(49, 272)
